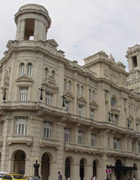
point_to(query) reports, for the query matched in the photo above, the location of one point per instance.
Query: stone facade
(79, 120)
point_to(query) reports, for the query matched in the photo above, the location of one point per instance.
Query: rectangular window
(92, 114)
(23, 93)
(67, 105)
(93, 140)
(134, 60)
(49, 98)
(47, 130)
(80, 110)
(21, 126)
(67, 135)
(116, 144)
(80, 137)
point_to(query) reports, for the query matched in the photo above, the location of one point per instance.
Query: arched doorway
(82, 165)
(94, 168)
(19, 162)
(45, 166)
(67, 168)
(118, 170)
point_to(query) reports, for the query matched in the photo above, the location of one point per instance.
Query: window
(92, 114)
(47, 128)
(23, 93)
(46, 72)
(82, 90)
(53, 74)
(90, 96)
(134, 60)
(21, 126)
(21, 69)
(116, 119)
(80, 110)
(49, 98)
(112, 102)
(65, 84)
(67, 135)
(137, 127)
(80, 137)
(93, 140)
(29, 69)
(116, 143)
(78, 89)
(67, 105)
(69, 86)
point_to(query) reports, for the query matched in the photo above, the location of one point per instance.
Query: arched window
(78, 89)
(65, 84)
(21, 69)
(82, 90)
(53, 73)
(113, 102)
(47, 130)
(46, 72)
(69, 86)
(90, 96)
(29, 69)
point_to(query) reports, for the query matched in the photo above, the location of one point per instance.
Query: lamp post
(36, 168)
(41, 90)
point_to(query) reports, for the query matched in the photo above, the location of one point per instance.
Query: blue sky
(82, 27)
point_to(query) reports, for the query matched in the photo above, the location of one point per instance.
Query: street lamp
(41, 90)
(36, 168)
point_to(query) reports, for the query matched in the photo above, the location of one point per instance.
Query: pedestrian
(134, 178)
(59, 176)
(91, 177)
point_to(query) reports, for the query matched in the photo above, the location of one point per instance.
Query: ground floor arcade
(72, 165)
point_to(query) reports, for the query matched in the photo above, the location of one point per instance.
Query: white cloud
(81, 27)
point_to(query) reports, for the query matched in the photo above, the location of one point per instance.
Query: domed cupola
(32, 22)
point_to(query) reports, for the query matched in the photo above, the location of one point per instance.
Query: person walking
(59, 176)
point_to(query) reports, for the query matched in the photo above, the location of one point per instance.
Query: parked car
(2, 174)
(32, 177)
(14, 177)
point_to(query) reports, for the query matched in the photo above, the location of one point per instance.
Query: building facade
(80, 120)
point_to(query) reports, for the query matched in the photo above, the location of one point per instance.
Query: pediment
(24, 79)
(93, 103)
(68, 95)
(81, 99)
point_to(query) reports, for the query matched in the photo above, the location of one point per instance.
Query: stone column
(75, 172)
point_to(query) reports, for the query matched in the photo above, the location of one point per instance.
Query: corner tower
(32, 22)
(133, 55)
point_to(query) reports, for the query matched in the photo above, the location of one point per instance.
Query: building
(80, 120)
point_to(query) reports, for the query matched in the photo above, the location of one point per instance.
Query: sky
(82, 27)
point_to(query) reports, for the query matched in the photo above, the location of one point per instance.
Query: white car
(2, 174)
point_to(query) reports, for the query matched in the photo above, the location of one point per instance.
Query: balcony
(83, 148)
(49, 142)
(18, 139)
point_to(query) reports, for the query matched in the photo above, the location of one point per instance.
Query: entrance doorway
(19, 162)
(82, 164)
(45, 166)
(67, 168)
